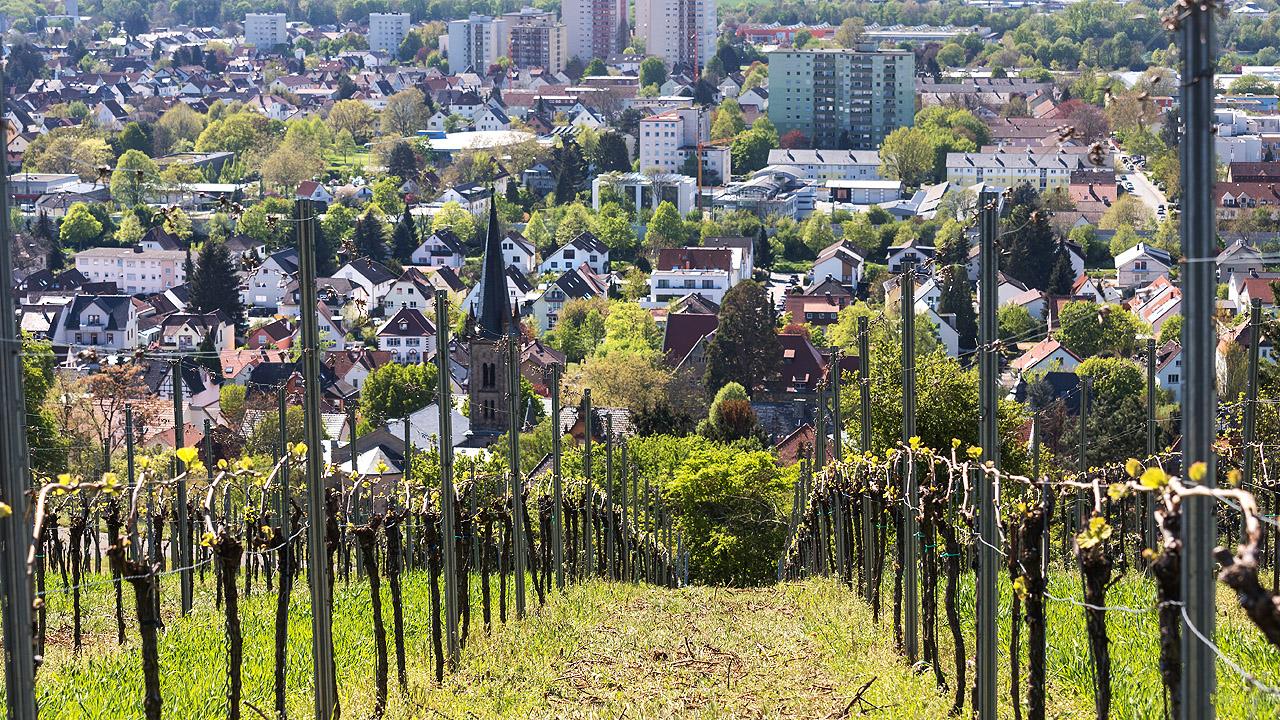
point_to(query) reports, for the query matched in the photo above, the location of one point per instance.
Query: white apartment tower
(678, 31)
(669, 138)
(265, 30)
(476, 42)
(387, 30)
(595, 28)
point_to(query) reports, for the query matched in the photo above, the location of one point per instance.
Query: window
(1173, 378)
(488, 376)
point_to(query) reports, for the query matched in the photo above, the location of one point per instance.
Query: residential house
(1238, 258)
(518, 252)
(275, 335)
(1169, 369)
(678, 271)
(915, 250)
(685, 338)
(536, 360)
(265, 286)
(353, 365)
(1141, 265)
(107, 322)
(373, 276)
(820, 303)
(314, 191)
(1242, 290)
(519, 289)
(442, 248)
(1158, 302)
(585, 248)
(133, 270)
(186, 332)
(576, 284)
(842, 261)
(1046, 355)
(473, 197)
(413, 290)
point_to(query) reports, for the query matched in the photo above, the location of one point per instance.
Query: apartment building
(476, 42)
(538, 40)
(594, 28)
(265, 30)
(825, 165)
(681, 32)
(842, 98)
(1010, 169)
(669, 138)
(680, 271)
(134, 271)
(388, 30)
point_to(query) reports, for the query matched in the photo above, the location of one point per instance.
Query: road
(1146, 191)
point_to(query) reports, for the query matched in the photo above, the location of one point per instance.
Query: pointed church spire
(495, 308)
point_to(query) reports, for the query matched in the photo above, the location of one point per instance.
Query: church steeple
(495, 307)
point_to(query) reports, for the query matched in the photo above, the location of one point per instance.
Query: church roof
(495, 307)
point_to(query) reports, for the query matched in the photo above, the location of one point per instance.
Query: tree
(386, 195)
(817, 233)
(622, 378)
(595, 68)
(353, 116)
(264, 439)
(1089, 329)
(1117, 405)
(1062, 278)
(404, 239)
(630, 329)
(907, 154)
(46, 443)
(405, 113)
(370, 237)
(611, 153)
(1016, 324)
(1171, 330)
(745, 348)
(402, 162)
(731, 417)
(762, 249)
(130, 230)
(1251, 85)
(850, 33)
(134, 137)
(105, 397)
(1127, 211)
(956, 299)
(652, 71)
(728, 121)
(793, 140)
(575, 221)
(241, 133)
(395, 391)
(215, 284)
(1031, 245)
(79, 227)
(456, 218)
(178, 124)
(750, 150)
(579, 328)
(268, 222)
(231, 402)
(1124, 238)
(571, 170)
(1089, 121)
(666, 228)
(612, 226)
(134, 179)
(288, 166)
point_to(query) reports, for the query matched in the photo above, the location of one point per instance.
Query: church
(489, 376)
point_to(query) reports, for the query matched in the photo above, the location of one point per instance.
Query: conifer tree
(745, 348)
(370, 238)
(957, 299)
(215, 284)
(1061, 278)
(404, 239)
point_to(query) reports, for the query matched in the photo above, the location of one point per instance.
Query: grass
(606, 650)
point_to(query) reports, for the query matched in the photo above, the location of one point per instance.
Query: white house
(573, 284)
(1141, 265)
(408, 336)
(518, 252)
(492, 119)
(187, 331)
(914, 250)
(679, 271)
(373, 276)
(473, 197)
(265, 286)
(1169, 369)
(842, 261)
(948, 337)
(1164, 301)
(109, 322)
(1046, 355)
(133, 270)
(586, 248)
(827, 165)
(442, 248)
(1238, 258)
(312, 190)
(412, 290)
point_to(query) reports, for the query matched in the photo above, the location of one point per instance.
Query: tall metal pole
(282, 509)
(1199, 252)
(838, 426)
(19, 647)
(326, 684)
(587, 491)
(131, 470)
(182, 553)
(449, 548)
(1251, 399)
(557, 489)
(864, 441)
(988, 598)
(518, 537)
(911, 491)
(1082, 462)
(610, 548)
(1148, 502)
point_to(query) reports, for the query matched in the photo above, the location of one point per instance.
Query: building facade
(476, 43)
(848, 99)
(388, 30)
(594, 28)
(134, 271)
(681, 32)
(265, 30)
(537, 39)
(669, 138)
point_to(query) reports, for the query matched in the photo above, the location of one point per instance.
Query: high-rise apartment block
(265, 30)
(537, 39)
(594, 28)
(476, 42)
(842, 99)
(387, 30)
(669, 138)
(681, 32)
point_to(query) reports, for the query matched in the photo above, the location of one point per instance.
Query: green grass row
(609, 650)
